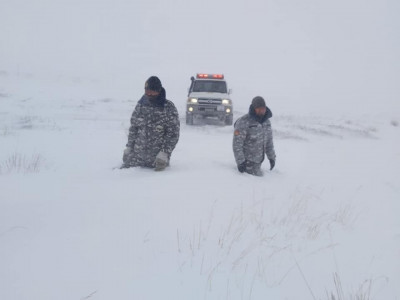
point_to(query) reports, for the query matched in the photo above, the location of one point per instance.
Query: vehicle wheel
(228, 120)
(189, 119)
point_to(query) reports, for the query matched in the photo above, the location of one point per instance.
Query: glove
(127, 151)
(272, 163)
(161, 161)
(242, 167)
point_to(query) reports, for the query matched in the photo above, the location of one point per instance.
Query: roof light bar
(213, 76)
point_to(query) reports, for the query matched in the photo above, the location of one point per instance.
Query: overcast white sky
(324, 53)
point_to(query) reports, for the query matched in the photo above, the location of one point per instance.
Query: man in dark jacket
(154, 130)
(252, 139)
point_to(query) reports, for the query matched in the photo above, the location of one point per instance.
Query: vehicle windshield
(210, 86)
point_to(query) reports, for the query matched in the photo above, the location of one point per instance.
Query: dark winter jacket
(252, 138)
(154, 127)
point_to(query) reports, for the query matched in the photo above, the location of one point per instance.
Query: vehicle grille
(209, 101)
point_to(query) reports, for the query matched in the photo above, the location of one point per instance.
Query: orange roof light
(218, 76)
(202, 75)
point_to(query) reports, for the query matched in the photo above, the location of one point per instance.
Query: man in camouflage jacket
(154, 130)
(252, 139)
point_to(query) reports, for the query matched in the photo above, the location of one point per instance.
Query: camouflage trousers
(253, 168)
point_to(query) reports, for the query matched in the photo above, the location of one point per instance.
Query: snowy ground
(324, 222)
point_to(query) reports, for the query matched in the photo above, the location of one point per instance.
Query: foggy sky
(321, 54)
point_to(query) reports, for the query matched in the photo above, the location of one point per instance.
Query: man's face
(152, 95)
(260, 111)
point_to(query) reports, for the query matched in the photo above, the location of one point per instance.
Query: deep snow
(76, 228)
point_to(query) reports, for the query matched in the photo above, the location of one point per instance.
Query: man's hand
(162, 161)
(242, 167)
(272, 163)
(127, 151)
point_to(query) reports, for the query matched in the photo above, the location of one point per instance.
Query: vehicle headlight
(192, 100)
(226, 101)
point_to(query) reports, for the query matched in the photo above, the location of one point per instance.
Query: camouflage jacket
(252, 138)
(154, 127)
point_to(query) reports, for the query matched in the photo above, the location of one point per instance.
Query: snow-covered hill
(324, 222)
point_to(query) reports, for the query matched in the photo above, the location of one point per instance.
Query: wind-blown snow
(324, 222)
(74, 227)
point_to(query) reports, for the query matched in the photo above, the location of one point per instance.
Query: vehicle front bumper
(209, 110)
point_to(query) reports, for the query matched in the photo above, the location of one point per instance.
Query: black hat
(258, 102)
(153, 84)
